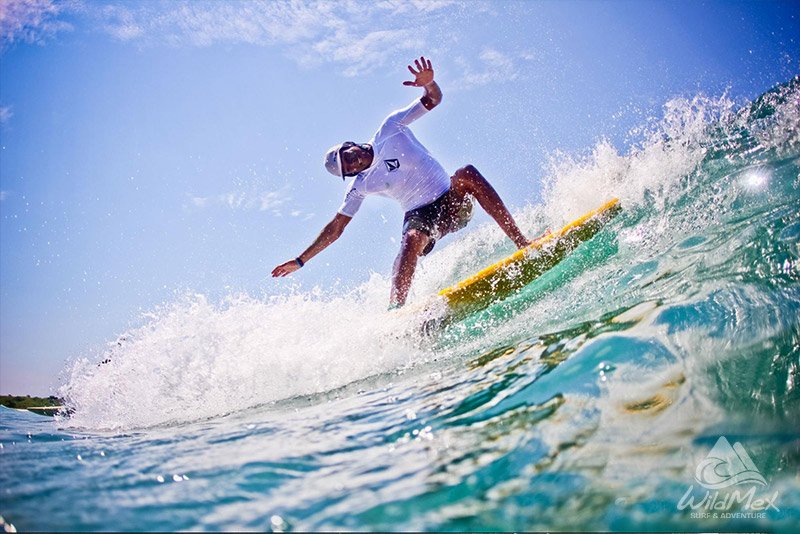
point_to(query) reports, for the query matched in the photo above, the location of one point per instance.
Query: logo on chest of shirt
(392, 164)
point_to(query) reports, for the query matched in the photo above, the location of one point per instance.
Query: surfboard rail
(510, 274)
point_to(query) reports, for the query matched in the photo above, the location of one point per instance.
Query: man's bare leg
(414, 242)
(468, 181)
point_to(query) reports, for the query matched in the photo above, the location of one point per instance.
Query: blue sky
(151, 148)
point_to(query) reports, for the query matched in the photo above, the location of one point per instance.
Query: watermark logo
(728, 467)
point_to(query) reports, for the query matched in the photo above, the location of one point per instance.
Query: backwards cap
(333, 158)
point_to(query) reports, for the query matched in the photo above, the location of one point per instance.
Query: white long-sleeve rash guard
(402, 168)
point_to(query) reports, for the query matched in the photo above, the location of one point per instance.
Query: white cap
(333, 160)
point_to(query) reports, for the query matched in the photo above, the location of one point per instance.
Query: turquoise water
(586, 401)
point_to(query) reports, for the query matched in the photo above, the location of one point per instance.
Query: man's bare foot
(545, 234)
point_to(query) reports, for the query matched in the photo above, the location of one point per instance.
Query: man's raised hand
(423, 75)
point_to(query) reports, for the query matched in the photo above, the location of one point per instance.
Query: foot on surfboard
(545, 234)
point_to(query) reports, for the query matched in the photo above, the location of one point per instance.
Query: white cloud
(271, 199)
(360, 35)
(199, 202)
(300, 213)
(494, 67)
(119, 22)
(241, 200)
(5, 114)
(366, 53)
(30, 21)
(531, 55)
(399, 7)
(204, 23)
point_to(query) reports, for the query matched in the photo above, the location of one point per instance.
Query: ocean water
(592, 399)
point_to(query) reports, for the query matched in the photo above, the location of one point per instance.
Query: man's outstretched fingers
(285, 269)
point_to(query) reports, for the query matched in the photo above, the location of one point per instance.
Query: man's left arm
(432, 96)
(423, 77)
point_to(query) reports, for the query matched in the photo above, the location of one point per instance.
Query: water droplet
(277, 523)
(160, 479)
(6, 526)
(411, 414)
(177, 478)
(605, 367)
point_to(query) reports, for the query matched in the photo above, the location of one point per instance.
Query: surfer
(396, 165)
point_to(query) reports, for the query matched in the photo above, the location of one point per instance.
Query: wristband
(299, 261)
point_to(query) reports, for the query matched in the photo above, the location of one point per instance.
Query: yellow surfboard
(519, 269)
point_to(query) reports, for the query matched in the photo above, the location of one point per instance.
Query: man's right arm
(330, 233)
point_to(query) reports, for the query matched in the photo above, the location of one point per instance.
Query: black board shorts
(439, 218)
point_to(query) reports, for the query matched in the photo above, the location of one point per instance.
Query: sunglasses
(348, 158)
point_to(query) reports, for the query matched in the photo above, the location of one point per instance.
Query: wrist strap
(299, 261)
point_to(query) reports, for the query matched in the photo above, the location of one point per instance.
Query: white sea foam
(195, 359)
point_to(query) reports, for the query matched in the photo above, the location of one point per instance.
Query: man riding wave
(396, 165)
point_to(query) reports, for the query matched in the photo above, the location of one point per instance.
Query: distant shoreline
(26, 401)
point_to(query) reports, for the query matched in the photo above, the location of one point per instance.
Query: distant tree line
(17, 401)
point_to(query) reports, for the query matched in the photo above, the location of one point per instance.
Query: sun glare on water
(755, 179)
